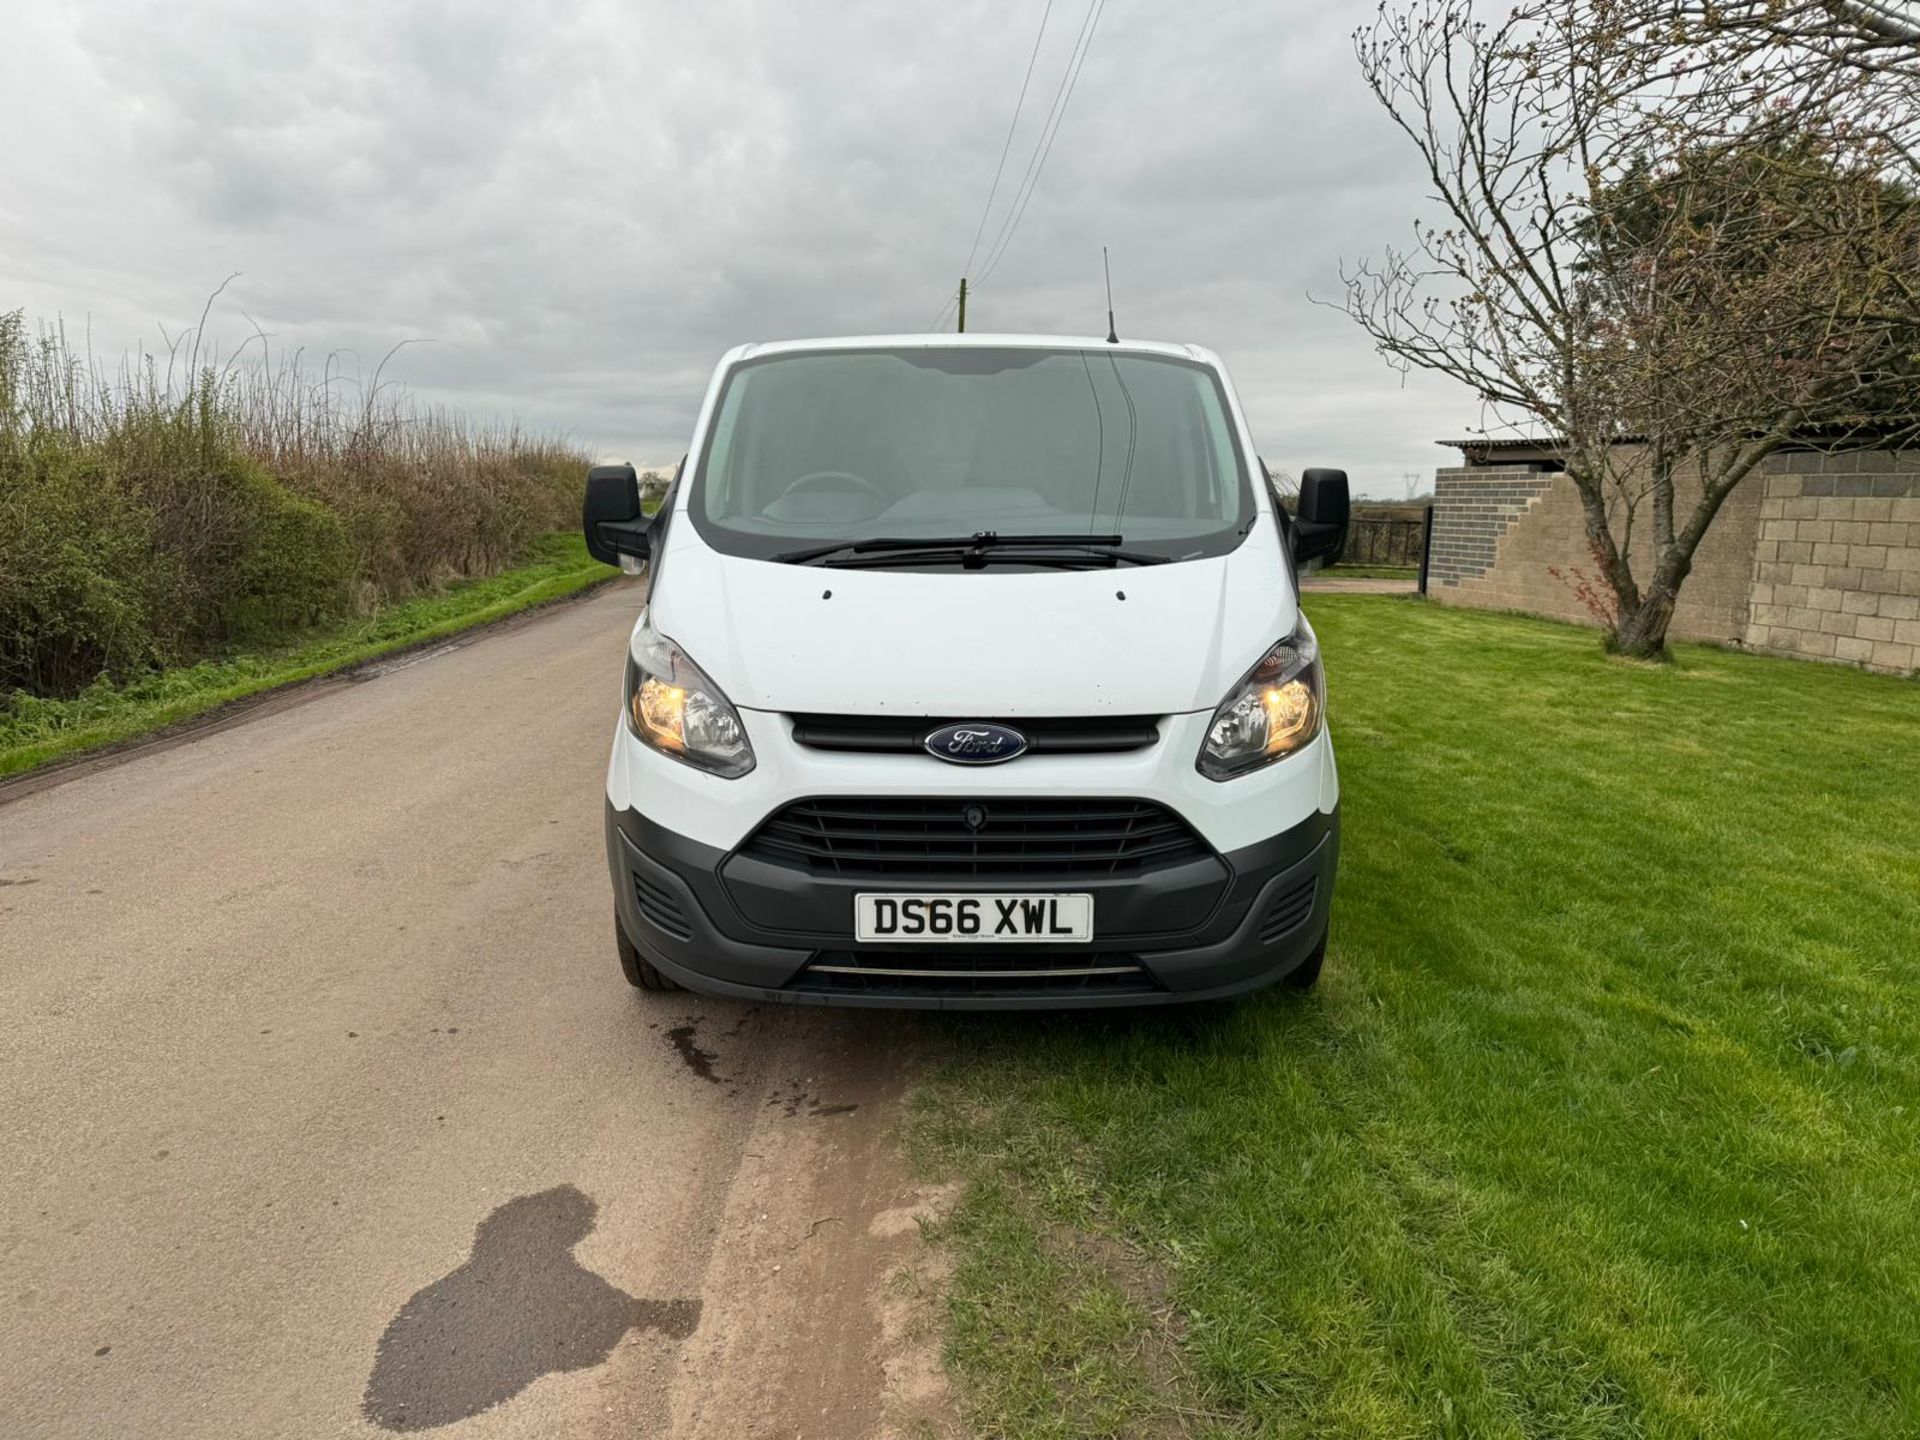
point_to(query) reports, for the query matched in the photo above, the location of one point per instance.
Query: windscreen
(825, 446)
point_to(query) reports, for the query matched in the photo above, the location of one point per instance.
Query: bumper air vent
(1289, 912)
(659, 909)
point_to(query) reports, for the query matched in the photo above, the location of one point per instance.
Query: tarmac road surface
(326, 1111)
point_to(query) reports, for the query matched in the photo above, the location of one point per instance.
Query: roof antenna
(1113, 336)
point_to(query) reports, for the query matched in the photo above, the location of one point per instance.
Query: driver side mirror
(611, 518)
(1320, 527)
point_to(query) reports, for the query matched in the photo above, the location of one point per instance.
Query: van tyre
(636, 967)
(1306, 974)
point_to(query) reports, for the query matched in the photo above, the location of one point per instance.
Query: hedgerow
(168, 512)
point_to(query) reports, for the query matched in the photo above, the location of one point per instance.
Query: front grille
(1289, 912)
(660, 909)
(952, 973)
(1024, 839)
(1046, 735)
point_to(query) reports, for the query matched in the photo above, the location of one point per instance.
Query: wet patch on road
(799, 1102)
(521, 1307)
(688, 1048)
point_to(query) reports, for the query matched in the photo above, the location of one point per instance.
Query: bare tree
(1873, 37)
(1848, 68)
(1635, 257)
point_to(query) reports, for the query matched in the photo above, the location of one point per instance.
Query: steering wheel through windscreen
(834, 482)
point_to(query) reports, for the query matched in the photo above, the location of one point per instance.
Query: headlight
(1270, 714)
(674, 708)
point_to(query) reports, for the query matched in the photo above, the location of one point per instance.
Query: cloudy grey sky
(582, 203)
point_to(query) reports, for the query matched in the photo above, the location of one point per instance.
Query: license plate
(992, 919)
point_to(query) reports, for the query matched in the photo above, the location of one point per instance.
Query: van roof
(956, 341)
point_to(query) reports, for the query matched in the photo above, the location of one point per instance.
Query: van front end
(1197, 889)
(972, 675)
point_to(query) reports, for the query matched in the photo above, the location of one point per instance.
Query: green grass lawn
(34, 731)
(1604, 1121)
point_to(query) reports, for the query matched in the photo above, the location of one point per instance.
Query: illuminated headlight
(1270, 714)
(674, 708)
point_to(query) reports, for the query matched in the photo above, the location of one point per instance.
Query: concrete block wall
(1472, 511)
(1836, 573)
(1813, 555)
(1495, 548)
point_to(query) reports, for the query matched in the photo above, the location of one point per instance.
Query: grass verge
(1370, 572)
(34, 731)
(1605, 1120)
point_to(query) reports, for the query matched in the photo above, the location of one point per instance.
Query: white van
(972, 675)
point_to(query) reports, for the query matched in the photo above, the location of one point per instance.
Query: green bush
(80, 582)
(146, 524)
(110, 565)
(293, 567)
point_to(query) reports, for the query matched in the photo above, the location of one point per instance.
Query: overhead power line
(1007, 144)
(999, 169)
(1043, 147)
(1036, 160)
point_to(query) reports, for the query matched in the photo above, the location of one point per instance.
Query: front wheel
(1306, 974)
(639, 971)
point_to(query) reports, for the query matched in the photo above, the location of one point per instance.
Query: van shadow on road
(521, 1307)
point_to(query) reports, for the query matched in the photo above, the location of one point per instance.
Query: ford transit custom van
(972, 674)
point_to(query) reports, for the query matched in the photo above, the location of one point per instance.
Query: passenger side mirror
(611, 518)
(1320, 527)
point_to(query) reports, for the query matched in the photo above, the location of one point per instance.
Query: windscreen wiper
(971, 551)
(1086, 557)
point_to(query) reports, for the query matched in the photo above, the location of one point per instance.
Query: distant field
(1602, 1122)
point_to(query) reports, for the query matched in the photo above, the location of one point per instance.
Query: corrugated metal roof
(1861, 436)
(1548, 442)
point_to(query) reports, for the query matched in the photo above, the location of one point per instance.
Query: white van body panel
(797, 638)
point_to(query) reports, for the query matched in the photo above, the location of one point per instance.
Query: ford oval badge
(979, 742)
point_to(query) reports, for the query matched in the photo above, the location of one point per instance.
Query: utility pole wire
(1042, 148)
(993, 190)
(1056, 113)
(1012, 125)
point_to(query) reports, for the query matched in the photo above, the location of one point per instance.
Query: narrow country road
(327, 1113)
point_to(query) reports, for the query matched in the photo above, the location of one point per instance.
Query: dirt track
(328, 1113)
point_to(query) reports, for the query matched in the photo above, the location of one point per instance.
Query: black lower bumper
(715, 922)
